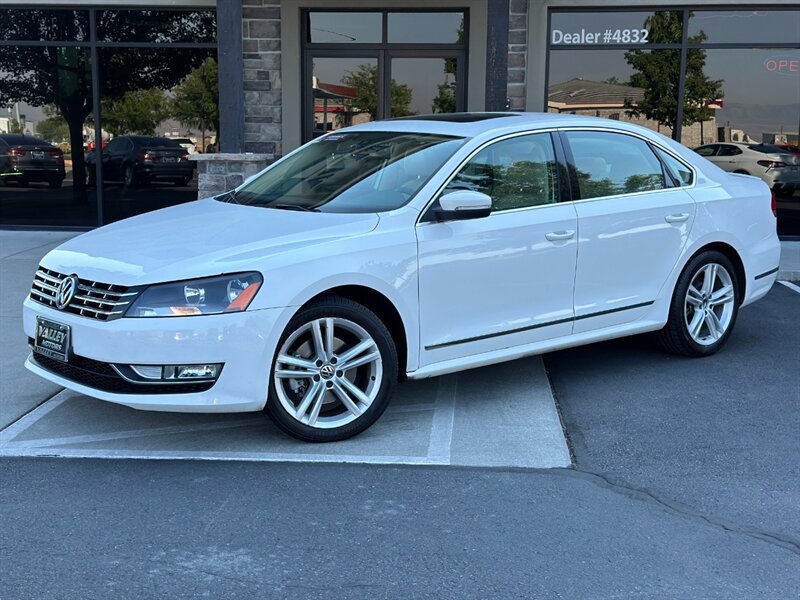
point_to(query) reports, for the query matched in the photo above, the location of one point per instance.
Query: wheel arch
(733, 255)
(383, 307)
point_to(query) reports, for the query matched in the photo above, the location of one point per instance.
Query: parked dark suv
(141, 159)
(24, 159)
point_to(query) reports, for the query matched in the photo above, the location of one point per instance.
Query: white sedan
(401, 249)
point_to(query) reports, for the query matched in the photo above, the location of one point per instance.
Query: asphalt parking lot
(684, 483)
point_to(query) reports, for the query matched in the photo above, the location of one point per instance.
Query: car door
(505, 279)
(634, 219)
(729, 158)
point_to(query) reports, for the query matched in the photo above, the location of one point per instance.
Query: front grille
(101, 376)
(93, 299)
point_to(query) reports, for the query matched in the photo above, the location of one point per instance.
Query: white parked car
(403, 248)
(778, 167)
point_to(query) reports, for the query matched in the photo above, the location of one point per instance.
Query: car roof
(477, 123)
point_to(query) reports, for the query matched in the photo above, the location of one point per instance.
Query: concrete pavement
(496, 416)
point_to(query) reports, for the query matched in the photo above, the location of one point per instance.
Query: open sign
(783, 64)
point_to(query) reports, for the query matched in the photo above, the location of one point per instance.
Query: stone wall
(261, 45)
(217, 173)
(517, 50)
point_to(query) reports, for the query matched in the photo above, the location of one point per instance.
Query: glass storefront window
(47, 91)
(745, 27)
(345, 92)
(639, 86)
(759, 104)
(345, 27)
(35, 25)
(158, 105)
(615, 28)
(157, 26)
(423, 86)
(426, 28)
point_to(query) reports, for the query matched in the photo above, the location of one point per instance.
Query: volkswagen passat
(405, 248)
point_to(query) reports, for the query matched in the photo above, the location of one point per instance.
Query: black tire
(182, 182)
(129, 178)
(741, 172)
(55, 183)
(675, 337)
(336, 306)
(91, 176)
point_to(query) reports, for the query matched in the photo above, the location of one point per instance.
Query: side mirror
(463, 204)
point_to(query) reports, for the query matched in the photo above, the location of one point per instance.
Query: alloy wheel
(328, 372)
(709, 305)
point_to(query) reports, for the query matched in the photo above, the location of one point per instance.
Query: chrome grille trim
(94, 300)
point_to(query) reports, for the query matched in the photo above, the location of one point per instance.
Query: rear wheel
(704, 306)
(334, 372)
(129, 176)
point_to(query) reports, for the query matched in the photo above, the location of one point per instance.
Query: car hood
(197, 239)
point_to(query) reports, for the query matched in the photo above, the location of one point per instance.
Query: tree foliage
(658, 73)
(195, 98)
(365, 83)
(54, 129)
(136, 111)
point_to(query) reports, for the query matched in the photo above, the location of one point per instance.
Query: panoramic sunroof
(456, 117)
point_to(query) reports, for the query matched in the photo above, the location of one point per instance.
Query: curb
(788, 275)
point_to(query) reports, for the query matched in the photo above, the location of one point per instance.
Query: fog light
(193, 372)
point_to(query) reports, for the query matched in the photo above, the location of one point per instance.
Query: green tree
(658, 73)
(15, 126)
(195, 102)
(445, 100)
(136, 111)
(365, 83)
(54, 128)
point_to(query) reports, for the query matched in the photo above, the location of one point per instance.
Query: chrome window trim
(437, 193)
(469, 157)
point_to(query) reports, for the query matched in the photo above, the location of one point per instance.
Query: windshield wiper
(293, 207)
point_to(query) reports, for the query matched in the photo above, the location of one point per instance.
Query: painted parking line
(500, 416)
(791, 286)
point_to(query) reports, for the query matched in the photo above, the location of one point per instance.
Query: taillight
(15, 152)
(184, 157)
(774, 205)
(146, 155)
(772, 164)
(55, 153)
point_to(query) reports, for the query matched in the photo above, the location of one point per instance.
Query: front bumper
(244, 342)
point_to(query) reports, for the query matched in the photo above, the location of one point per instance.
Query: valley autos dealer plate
(52, 339)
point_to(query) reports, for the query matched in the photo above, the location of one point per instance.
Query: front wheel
(334, 372)
(704, 306)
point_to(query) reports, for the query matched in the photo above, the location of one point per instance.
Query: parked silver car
(778, 167)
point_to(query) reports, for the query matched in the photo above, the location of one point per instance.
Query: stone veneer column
(517, 50)
(217, 173)
(261, 46)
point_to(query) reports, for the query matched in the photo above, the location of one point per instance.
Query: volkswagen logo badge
(65, 292)
(327, 371)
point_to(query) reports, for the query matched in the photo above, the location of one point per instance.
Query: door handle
(555, 236)
(677, 218)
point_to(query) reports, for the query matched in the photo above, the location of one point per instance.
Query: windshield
(369, 171)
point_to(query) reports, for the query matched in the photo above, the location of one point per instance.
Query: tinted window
(516, 173)
(769, 149)
(744, 26)
(345, 27)
(354, 172)
(159, 26)
(706, 150)
(680, 172)
(44, 25)
(426, 28)
(608, 164)
(726, 150)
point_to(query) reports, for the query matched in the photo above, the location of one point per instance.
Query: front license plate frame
(53, 339)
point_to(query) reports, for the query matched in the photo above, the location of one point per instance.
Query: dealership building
(240, 83)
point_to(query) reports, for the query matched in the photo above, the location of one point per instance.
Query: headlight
(209, 296)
